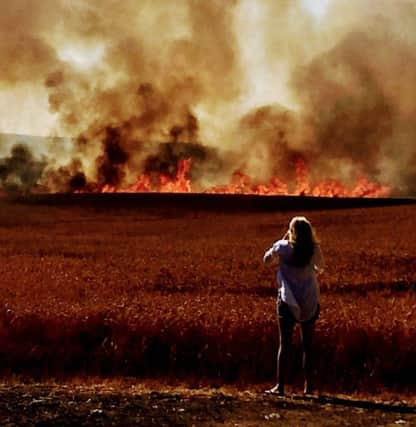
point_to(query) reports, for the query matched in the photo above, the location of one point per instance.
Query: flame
(363, 187)
(143, 184)
(241, 184)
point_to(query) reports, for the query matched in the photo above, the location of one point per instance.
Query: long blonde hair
(303, 239)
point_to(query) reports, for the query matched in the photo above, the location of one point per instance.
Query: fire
(143, 184)
(363, 187)
(241, 184)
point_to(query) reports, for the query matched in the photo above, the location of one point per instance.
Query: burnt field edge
(41, 397)
(206, 201)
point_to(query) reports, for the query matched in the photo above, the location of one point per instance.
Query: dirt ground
(98, 405)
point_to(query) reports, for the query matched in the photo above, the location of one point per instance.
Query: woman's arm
(274, 250)
(268, 255)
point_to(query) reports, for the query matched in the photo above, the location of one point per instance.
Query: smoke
(238, 85)
(20, 171)
(350, 79)
(357, 97)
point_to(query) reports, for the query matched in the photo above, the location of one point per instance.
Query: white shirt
(298, 286)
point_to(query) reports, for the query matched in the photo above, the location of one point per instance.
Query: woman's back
(298, 283)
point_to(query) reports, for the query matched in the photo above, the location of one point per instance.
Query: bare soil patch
(65, 405)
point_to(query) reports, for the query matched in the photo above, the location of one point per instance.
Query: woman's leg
(307, 329)
(285, 338)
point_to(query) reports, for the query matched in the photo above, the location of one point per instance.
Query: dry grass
(184, 294)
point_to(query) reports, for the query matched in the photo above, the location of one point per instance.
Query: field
(182, 295)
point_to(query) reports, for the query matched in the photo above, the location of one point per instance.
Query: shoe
(276, 390)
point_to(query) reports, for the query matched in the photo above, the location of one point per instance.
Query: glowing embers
(241, 184)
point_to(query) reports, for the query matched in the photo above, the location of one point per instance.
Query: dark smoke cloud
(20, 171)
(111, 163)
(69, 178)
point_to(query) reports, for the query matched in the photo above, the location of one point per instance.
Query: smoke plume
(236, 86)
(20, 171)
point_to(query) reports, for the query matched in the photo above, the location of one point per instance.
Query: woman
(298, 300)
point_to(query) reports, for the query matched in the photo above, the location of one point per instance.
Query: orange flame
(241, 184)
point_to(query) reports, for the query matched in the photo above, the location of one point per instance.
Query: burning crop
(241, 184)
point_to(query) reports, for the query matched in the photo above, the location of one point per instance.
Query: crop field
(183, 295)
